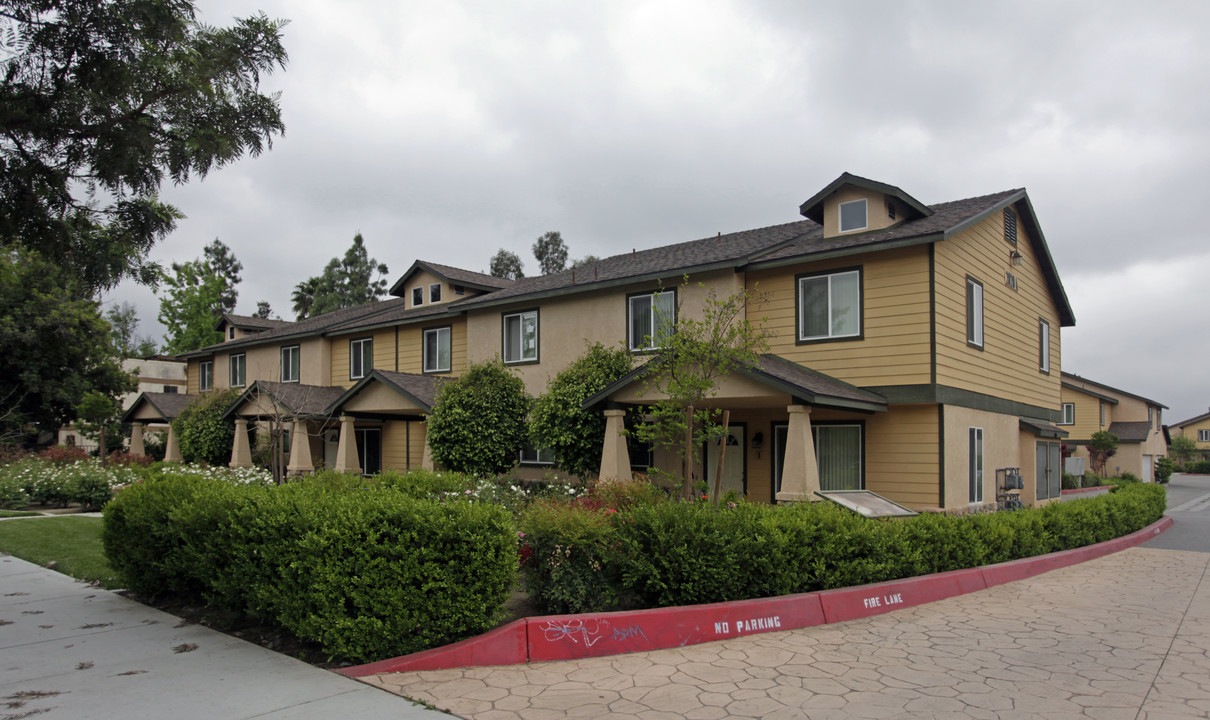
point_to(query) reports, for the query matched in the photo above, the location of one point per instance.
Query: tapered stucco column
(241, 450)
(300, 450)
(800, 471)
(615, 456)
(346, 448)
(172, 451)
(426, 460)
(136, 439)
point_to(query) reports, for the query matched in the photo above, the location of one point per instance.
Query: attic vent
(890, 209)
(1010, 226)
(459, 290)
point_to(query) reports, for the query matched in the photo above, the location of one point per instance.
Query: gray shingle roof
(422, 389)
(168, 405)
(1041, 428)
(454, 275)
(1131, 431)
(294, 398)
(247, 321)
(1076, 378)
(1190, 421)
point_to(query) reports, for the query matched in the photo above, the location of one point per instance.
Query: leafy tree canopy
(195, 294)
(551, 253)
(222, 261)
(204, 435)
(346, 282)
(263, 311)
(477, 425)
(1182, 448)
(507, 265)
(104, 100)
(124, 321)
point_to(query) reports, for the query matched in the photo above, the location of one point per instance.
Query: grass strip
(73, 544)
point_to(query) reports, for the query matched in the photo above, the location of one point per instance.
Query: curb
(570, 637)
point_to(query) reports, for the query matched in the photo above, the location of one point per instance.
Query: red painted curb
(565, 637)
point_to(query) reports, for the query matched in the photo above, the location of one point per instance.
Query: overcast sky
(447, 130)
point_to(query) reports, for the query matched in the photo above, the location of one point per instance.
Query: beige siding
(402, 444)
(902, 462)
(1001, 449)
(1088, 414)
(383, 347)
(1008, 365)
(895, 349)
(411, 346)
(1191, 430)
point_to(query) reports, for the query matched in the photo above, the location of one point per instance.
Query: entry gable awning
(157, 406)
(773, 378)
(1131, 432)
(391, 393)
(1041, 428)
(265, 399)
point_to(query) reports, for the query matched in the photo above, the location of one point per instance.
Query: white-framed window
(361, 357)
(853, 215)
(829, 306)
(537, 456)
(838, 452)
(435, 293)
(231, 333)
(1203, 435)
(652, 317)
(205, 375)
(437, 350)
(974, 312)
(239, 369)
(1069, 414)
(975, 453)
(1103, 414)
(1043, 346)
(417, 296)
(1150, 415)
(1010, 226)
(290, 363)
(521, 337)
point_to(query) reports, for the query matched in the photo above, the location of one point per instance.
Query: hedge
(364, 570)
(584, 559)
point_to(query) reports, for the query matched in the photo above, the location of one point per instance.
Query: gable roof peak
(813, 207)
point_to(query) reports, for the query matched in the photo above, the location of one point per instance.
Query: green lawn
(72, 543)
(16, 513)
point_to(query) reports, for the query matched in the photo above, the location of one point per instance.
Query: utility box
(1074, 466)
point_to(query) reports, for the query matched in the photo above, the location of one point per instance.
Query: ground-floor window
(839, 453)
(537, 456)
(369, 449)
(975, 452)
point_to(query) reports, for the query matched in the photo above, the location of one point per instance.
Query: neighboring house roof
(420, 389)
(1131, 431)
(247, 321)
(453, 275)
(1069, 380)
(168, 405)
(800, 382)
(397, 315)
(294, 398)
(1093, 393)
(1190, 421)
(1041, 428)
(813, 208)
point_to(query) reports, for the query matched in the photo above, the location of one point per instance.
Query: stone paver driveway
(1125, 636)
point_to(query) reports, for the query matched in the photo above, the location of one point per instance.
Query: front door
(733, 460)
(1147, 468)
(369, 450)
(1048, 470)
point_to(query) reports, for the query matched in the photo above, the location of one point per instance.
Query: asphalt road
(1189, 506)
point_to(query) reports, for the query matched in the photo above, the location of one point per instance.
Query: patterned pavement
(1124, 636)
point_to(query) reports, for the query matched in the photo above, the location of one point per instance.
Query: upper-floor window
(521, 337)
(205, 375)
(435, 293)
(437, 349)
(361, 357)
(417, 296)
(1069, 414)
(974, 312)
(1150, 415)
(290, 363)
(853, 215)
(1203, 435)
(829, 306)
(1010, 225)
(239, 367)
(231, 333)
(1103, 413)
(171, 389)
(1044, 346)
(652, 317)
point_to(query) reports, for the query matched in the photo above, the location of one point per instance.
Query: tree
(506, 265)
(56, 345)
(223, 263)
(190, 305)
(1183, 448)
(477, 424)
(686, 368)
(263, 311)
(551, 253)
(586, 260)
(559, 423)
(1101, 446)
(106, 99)
(204, 435)
(345, 282)
(124, 321)
(97, 416)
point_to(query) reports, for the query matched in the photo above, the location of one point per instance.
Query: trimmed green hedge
(364, 570)
(579, 558)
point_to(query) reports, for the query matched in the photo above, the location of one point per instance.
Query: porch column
(136, 439)
(241, 451)
(300, 450)
(615, 456)
(426, 461)
(346, 448)
(800, 471)
(172, 453)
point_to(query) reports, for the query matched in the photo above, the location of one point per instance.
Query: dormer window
(435, 293)
(231, 333)
(417, 297)
(890, 209)
(853, 216)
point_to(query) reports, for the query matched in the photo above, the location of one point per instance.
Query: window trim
(282, 356)
(975, 476)
(976, 335)
(1063, 412)
(1203, 435)
(798, 305)
(424, 346)
(243, 366)
(417, 292)
(1044, 346)
(434, 297)
(538, 462)
(205, 375)
(364, 370)
(537, 336)
(1102, 424)
(860, 425)
(630, 318)
(840, 228)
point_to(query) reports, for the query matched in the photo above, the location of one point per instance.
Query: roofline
(1110, 387)
(892, 244)
(429, 267)
(258, 339)
(375, 374)
(1191, 420)
(847, 178)
(342, 330)
(1086, 391)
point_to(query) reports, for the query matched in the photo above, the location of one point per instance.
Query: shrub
(63, 454)
(12, 493)
(1070, 482)
(565, 554)
(477, 425)
(204, 436)
(1164, 468)
(1091, 480)
(1201, 467)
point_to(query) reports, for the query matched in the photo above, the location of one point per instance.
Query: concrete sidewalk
(68, 650)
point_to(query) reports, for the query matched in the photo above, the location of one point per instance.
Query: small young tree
(98, 418)
(1183, 448)
(558, 422)
(1101, 446)
(694, 355)
(477, 425)
(203, 434)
